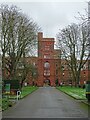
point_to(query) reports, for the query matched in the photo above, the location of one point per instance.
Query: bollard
(18, 95)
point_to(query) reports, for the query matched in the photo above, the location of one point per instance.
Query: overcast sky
(52, 15)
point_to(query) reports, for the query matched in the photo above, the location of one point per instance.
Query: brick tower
(46, 61)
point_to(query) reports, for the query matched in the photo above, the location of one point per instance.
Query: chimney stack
(40, 36)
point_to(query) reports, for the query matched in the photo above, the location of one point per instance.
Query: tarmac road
(47, 102)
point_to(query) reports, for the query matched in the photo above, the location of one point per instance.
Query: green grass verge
(27, 90)
(75, 92)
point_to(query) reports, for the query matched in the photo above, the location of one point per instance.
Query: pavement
(47, 102)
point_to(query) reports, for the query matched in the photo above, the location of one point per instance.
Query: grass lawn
(27, 90)
(78, 93)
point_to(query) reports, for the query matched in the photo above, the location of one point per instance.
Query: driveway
(47, 102)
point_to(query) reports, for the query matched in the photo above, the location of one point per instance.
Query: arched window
(47, 65)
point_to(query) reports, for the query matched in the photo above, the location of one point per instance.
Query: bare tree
(73, 41)
(18, 34)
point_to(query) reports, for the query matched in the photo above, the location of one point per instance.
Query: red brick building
(66, 76)
(49, 65)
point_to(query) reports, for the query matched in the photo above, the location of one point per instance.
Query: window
(47, 56)
(84, 67)
(34, 63)
(88, 66)
(47, 48)
(56, 65)
(46, 72)
(56, 72)
(46, 65)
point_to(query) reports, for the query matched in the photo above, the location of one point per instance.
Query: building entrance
(47, 82)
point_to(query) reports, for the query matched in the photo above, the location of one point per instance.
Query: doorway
(47, 82)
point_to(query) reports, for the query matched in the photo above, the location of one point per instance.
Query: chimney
(40, 36)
